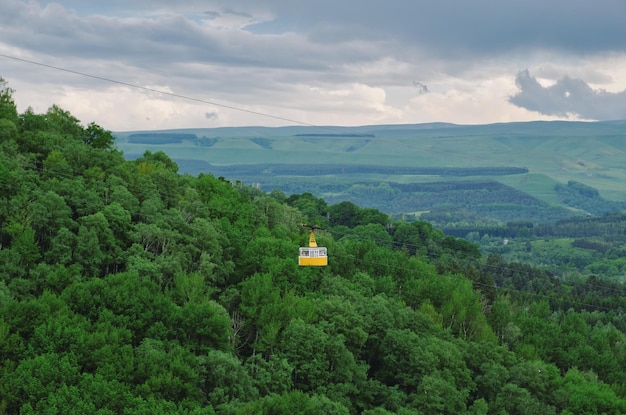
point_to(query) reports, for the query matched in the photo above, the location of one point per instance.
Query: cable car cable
(238, 108)
(171, 94)
(180, 96)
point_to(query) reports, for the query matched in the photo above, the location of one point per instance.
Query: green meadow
(366, 164)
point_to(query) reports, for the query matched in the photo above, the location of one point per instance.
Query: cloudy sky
(156, 64)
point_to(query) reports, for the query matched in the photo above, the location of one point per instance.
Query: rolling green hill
(367, 164)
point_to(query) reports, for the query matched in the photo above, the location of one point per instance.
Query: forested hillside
(129, 288)
(478, 174)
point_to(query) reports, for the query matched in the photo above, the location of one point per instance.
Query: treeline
(262, 142)
(610, 227)
(438, 187)
(128, 288)
(160, 138)
(586, 198)
(581, 245)
(440, 202)
(341, 169)
(350, 135)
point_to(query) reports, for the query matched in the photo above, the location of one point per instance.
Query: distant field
(539, 185)
(532, 157)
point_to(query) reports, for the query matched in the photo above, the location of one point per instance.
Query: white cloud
(323, 62)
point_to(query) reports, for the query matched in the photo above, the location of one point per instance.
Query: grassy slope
(554, 152)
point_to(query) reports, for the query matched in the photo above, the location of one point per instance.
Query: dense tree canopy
(128, 288)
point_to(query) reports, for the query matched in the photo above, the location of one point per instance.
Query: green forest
(127, 287)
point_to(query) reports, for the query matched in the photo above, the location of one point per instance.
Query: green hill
(361, 164)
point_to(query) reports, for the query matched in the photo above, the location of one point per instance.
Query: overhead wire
(241, 109)
(235, 108)
(157, 91)
(154, 90)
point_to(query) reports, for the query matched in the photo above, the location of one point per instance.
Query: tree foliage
(128, 288)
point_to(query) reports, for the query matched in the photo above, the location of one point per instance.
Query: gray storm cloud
(300, 59)
(568, 97)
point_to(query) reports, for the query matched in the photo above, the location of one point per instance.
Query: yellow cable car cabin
(313, 255)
